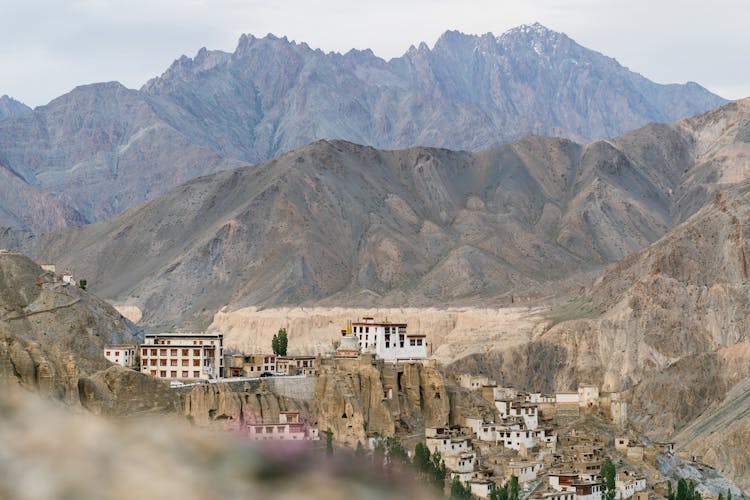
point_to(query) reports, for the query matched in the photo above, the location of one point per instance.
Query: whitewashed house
(389, 341)
(123, 355)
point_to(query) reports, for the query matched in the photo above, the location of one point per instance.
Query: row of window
(172, 352)
(195, 342)
(173, 362)
(173, 374)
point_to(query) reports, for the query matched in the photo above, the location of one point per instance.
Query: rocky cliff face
(335, 223)
(357, 396)
(351, 397)
(102, 148)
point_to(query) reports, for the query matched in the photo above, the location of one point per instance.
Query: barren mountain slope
(99, 149)
(334, 223)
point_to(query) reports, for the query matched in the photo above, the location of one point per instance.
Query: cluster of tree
(430, 467)
(609, 474)
(510, 491)
(686, 491)
(279, 343)
(729, 495)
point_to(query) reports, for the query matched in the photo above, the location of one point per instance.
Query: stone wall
(301, 388)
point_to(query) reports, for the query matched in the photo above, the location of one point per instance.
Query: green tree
(438, 469)
(422, 458)
(608, 480)
(82, 284)
(513, 490)
(395, 452)
(283, 341)
(460, 491)
(729, 494)
(682, 490)
(360, 451)
(329, 442)
(498, 492)
(721, 496)
(275, 345)
(670, 493)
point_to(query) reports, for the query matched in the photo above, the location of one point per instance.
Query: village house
(297, 365)
(628, 484)
(588, 490)
(258, 364)
(474, 382)
(463, 463)
(481, 488)
(528, 412)
(588, 395)
(123, 355)
(183, 355)
(558, 495)
(525, 471)
(288, 428)
(562, 480)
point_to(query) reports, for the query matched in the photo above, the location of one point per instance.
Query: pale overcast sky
(47, 47)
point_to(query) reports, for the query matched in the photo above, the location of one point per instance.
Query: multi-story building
(183, 355)
(389, 341)
(123, 355)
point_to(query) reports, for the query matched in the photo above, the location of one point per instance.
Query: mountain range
(103, 148)
(339, 223)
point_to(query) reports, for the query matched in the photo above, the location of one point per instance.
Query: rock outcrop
(360, 396)
(51, 333)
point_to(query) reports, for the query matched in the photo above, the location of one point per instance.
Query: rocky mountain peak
(12, 107)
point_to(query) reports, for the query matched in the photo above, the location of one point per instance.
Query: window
(172, 362)
(173, 374)
(153, 361)
(196, 352)
(162, 362)
(196, 374)
(185, 362)
(153, 373)
(107, 353)
(153, 352)
(196, 362)
(163, 373)
(162, 352)
(184, 374)
(173, 352)
(186, 352)
(412, 342)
